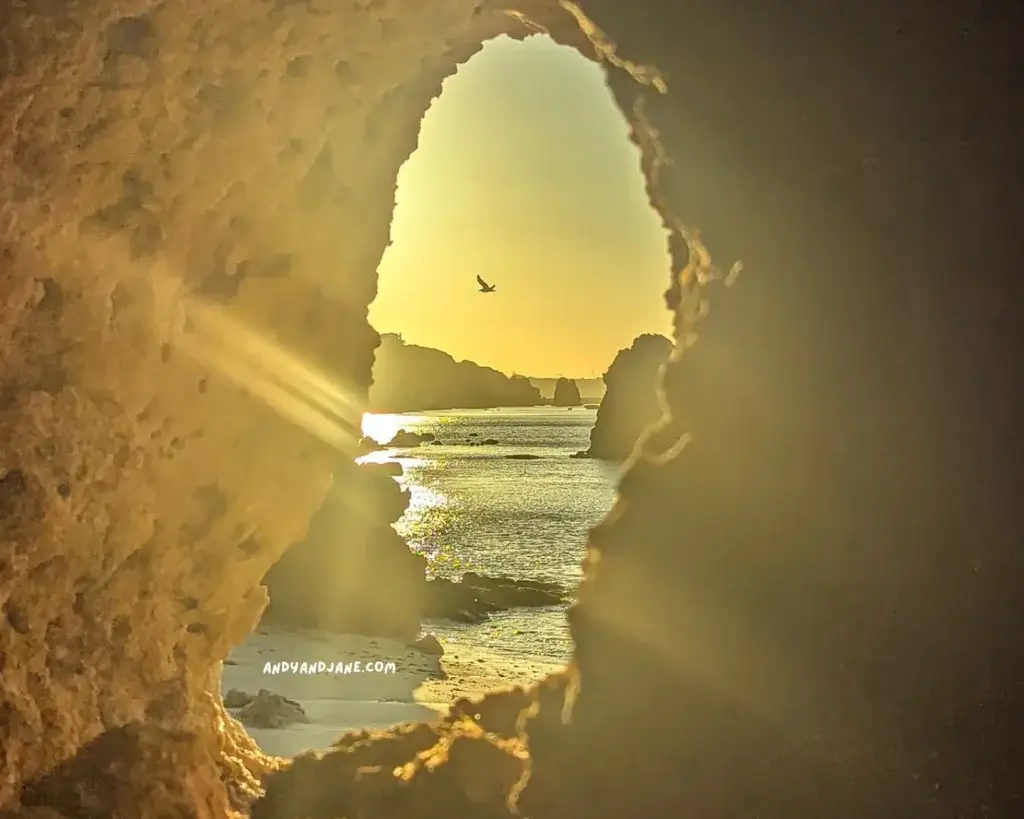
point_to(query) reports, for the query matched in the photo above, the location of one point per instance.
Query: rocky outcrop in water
(631, 402)
(476, 596)
(408, 378)
(814, 600)
(567, 394)
(407, 438)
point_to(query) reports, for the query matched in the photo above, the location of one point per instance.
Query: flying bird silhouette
(484, 286)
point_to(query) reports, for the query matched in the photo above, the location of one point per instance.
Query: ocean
(474, 509)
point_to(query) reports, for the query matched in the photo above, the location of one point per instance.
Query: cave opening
(214, 257)
(525, 172)
(849, 516)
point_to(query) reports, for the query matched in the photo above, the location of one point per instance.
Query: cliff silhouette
(407, 378)
(631, 400)
(567, 394)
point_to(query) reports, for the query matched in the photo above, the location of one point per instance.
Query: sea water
(474, 509)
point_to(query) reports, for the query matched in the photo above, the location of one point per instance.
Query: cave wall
(765, 610)
(828, 603)
(194, 207)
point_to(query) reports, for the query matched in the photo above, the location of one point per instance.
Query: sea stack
(567, 394)
(631, 400)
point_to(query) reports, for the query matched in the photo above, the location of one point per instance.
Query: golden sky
(524, 174)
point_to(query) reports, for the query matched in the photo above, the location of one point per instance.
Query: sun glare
(290, 386)
(382, 426)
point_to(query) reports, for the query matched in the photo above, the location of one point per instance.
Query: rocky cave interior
(184, 350)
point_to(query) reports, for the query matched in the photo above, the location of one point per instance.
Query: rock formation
(591, 389)
(567, 394)
(352, 572)
(474, 597)
(407, 438)
(631, 402)
(269, 710)
(428, 644)
(809, 608)
(407, 378)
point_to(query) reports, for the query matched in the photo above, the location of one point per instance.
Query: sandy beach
(412, 686)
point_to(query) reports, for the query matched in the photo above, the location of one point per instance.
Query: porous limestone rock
(631, 402)
(194, 206)
(810, 608)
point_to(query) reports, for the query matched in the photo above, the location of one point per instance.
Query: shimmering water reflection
(473, 508)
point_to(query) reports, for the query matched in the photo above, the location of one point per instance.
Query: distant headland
(410, 378)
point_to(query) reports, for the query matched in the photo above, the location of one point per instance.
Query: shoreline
(413, 687)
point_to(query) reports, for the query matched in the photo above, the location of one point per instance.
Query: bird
(484, 286)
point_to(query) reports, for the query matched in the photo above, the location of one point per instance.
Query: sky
(524, 174)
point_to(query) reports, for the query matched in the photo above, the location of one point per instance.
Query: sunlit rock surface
(631, 402)
(809, 609)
